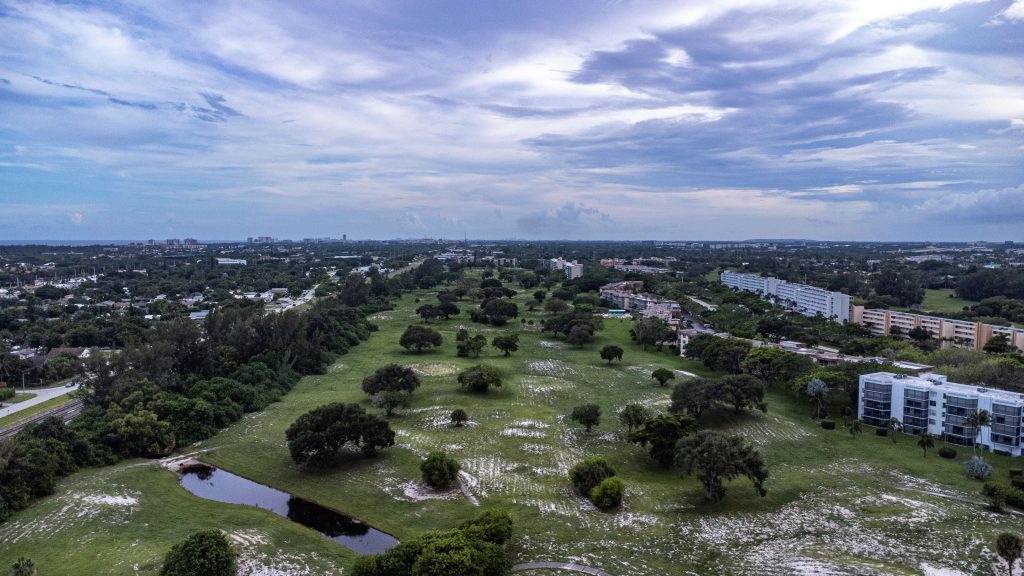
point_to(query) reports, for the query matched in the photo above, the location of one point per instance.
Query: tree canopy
(205, 553)
(318, 436)
(716, 458)
(480, 378)
(420, 337)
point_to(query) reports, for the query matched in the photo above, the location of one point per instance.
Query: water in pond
(216, 484)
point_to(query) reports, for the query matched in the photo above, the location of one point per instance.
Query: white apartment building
(932, 404)
(804, 299)
(572, 270)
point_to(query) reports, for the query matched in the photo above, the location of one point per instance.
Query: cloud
(565, 221)
(76, 218)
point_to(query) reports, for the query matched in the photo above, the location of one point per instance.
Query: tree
(556, 306)
(459, 417)
(855, 428)
(662, 432)
(507, 343)
(429, 312)
(391, 378)
(586, 475)
(651, 331)
(919, 334)
(579, 335)
(588, 415)
(741, 391)
(448, 309)
(978, 420)
(925, 442)
(725, 354)
(998, 344)
(633, 416)
(205, 553)
(611, 352)
(439, 470)
(471, 346)
(540, 295)
(1010, 548)
(608, 494)
(420, 337)
(772, 364)
(354, 291)
(480, 378)
(693, 396)
(663, 375)
(318, 436)
(388, 400)
(716, 458)
(23, 567)
(818, 391)
(896, 427)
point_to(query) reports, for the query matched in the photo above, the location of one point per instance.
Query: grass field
(20, 398)
(33, 410)
(836, 504)
(944, 300)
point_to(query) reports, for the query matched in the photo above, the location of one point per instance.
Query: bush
(206, 553)
(494, 526)
(947, 453)
(588, 474)
(1016, 472)
(977, 468)
(6, 393)
(828, 424)
(881, 431)
(459, 417)
(607, 494)
(1017, 482)
(439, 470)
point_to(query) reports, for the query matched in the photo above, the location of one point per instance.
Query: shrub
(1017, 482)
(206, 553)
(881, 431)
(828, 424)
(1016, 472)
(977, 468)
(947, 453)
(607, 494)
(439, 470)
(459, 417)
(588, 474)
(494, 526)
(6, 393)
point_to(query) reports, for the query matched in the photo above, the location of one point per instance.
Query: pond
(221, 486)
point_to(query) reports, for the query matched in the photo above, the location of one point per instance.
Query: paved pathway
(42, 395)
(559, 566)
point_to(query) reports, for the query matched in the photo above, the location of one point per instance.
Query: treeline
(179, 386)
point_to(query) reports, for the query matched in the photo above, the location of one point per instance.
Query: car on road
(69, 385)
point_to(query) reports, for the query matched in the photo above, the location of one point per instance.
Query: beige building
(953, 333)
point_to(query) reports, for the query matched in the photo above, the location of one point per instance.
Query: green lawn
(715, 275)
(835, 504)
(942, 301)
(33, 410)
(18, 398)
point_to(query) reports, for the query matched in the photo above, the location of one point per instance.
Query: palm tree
(896, 426)
(978, 420)
(925, 442)
(855, 428)
(1010, 548)
(26, 567)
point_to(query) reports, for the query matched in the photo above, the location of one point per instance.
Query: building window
(931, 403)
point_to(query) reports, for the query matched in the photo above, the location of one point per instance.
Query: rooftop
(938, 382)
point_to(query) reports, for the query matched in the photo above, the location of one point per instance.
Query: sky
(532, 119)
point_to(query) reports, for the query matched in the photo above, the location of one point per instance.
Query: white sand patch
(383, 316)
(434, 369)
(417, 491)
(550, 344)
(930, 570)
(522, 433)
(110, 500)
(530, 424)
(552, 368)
(534, 448)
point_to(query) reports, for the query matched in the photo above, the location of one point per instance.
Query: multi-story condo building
(629, 296)
(941, 408)
(952, 332)
(804, 299)
(571, 270)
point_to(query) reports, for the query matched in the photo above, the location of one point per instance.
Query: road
(42, 395)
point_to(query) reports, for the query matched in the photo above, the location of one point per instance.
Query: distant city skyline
(636, 120)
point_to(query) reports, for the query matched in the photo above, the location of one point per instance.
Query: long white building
(806, 300)
(941, 408)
